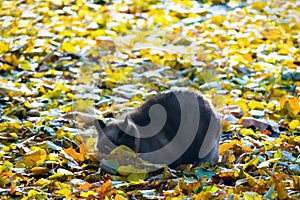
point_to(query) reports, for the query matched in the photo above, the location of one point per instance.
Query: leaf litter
(130, 51)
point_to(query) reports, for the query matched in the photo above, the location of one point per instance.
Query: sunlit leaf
(218, 19)
(226, 146)
(42, 182)
(68, 47)
(25, 64)
(120, 197)
(258, 5)
(34, 158)
(79, 157)
(61, 174)
(85, 186)
(251, 196)
(40, 170)
(294, 124)
(89, 194)
(279, 186)
(4, 47)
(105, 189)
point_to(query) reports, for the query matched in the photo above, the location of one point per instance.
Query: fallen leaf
(232, 145)
(33, 158)
(279, 186)
(294, 124)
(85, 186)
(260, 124)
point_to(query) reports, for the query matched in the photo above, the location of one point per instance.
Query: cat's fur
(208, 122)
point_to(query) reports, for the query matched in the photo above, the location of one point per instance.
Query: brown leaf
(279, 186)
(106, 189)
(260, 124)
(232, 145)
(202, 196)
(39, 170)
(74, 154)
(85, 186)
(33, 158)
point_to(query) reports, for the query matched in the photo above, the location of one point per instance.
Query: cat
(173, 128)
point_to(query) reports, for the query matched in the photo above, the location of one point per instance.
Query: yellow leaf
(63, 192)
(68, 47)
(61, 174)
(52, 94)
(98, 33)
(225, 125)
(120, 197)
(83, 105)
(202, 196)
(272, 34)
(294, 124)
(283, 49)
(244, 42)
(32, 194)
(25, 64)
(279, 185)
(247, 132)
(89, 194)
(291, 105)
(27, 104)
(294, 105)
(190, 187)
(252, 196)
(83, 150)
(39, 170)
(11, 58)
(270, 106)
(66, 108)
(233, 144)
(14, 135)
(6, 67)
(4, 47)
(292, 66)
(258, 5)
(278, 154)
(42, 182)
(137, 175)
(66, 33)
(296, 182)
(73, 153)
(247, 57)
(218, 19)
(256, 105)
(282, 101)
(242, 105)
(5, 178)
(34, 158)
(61, 86)
(126, 170)
(252, 162)
(70, 95)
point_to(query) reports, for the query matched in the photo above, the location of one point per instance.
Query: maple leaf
(79, 157)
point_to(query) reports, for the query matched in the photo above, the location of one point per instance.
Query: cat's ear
(100, 125)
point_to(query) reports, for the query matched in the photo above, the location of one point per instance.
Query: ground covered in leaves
(59, 59)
